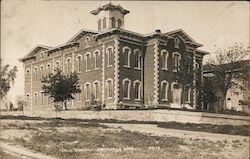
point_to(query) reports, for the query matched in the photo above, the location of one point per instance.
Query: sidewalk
(23, 152)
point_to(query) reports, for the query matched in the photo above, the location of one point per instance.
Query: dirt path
(21, 152)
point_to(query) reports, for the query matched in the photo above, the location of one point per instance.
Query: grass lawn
(67, 139)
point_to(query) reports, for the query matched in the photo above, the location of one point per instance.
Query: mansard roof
(110, 6)
(184, 36)
(81, 33)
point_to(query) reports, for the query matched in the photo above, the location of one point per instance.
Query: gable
(81, 33)
(183, 35)
(35, 50)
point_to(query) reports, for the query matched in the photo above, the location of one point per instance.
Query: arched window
(68, 63)
(35, 99)
(27, 76)
(42, 99)
(197, 66)
(87, 40)
(109, 56)
(126, 56)
(87, 92)
(96, 59)
(137, 53)
(177, 60)
(57, 64)
(28, 99)
(109, 86)
(104, 21)
(164, 90)
(126, 88)
(137, 87)
(79, 63)
(96, 86)
(176, 42)
(41, 72)
(119, 23)
(35, 74)
(164, 55)
(87, 61)
(99, 24)
(42, 55)
(48, 68)
(78, 95)
(113, 22)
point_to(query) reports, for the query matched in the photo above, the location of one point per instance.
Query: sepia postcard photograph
(124, 79)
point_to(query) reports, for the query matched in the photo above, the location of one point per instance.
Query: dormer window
(177, 60)
(99, 24)
(104, 21)
(119, 23)
(87, 39)
(176, 42)
(42, 55)
(113, 22)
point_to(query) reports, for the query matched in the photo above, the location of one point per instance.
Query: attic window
(104, 23)
(176, 42)
(42, 55)
(87, 39)
(119, 23)
(113, 22)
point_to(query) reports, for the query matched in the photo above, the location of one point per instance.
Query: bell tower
(110, 16)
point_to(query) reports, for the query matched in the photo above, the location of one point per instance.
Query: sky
(27, 23)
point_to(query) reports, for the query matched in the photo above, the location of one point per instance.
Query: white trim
(128, 57)
(86, 61)
(116, 72)
(138, 51)
(85, 91)
(108, 55)
(96, 59)
(107, 80)
(179, 60)
(103, 72)
(78, 63)
(156, 73)
(129, 88)
(166, 90)
(165, 64)
(139, 91)
(94, 89)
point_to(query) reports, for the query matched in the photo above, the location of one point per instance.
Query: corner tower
(110, 16)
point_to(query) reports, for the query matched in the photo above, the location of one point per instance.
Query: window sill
(126, 66)
(109, 66)
(164, 69)
(96, 68)
(126, 98)
(109, 98)
(174, 70)
(164, 100)
(138, 100)
(87, 70)
(137, 68)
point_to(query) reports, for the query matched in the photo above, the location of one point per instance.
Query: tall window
(164, 55)
(87, 92)
(188, 95)
(68, 66)
(177, 58)
(164, 90)
(87, 40)
(28, 99)
(126, 55)
(42, 55)
(96, 89)
(99, 24)
(27, 77)
(41, 71)
(42, 99)
(35, 99)
(119, 23)
(48, 68)
(87, 61)
(96, 58)
(126, 88)
(78, 95)
(104, 21)
(137, 59)
(79, 63)
(109, 56)
(137, 86)
(57, 64)
(109, 84)
(35, 74)
(176, 42)
(113, 22)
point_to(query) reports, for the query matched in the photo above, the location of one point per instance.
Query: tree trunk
(65, 105)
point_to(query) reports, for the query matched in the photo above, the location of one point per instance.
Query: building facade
(120, 68)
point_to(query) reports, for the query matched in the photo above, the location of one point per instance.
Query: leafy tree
(61, 87)
(20, 102)
(7, 77)
(230, 70)
(185, 75)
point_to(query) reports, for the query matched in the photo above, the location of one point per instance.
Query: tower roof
(110, 6)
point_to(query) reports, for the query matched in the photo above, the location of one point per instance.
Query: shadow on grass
(60, 122)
